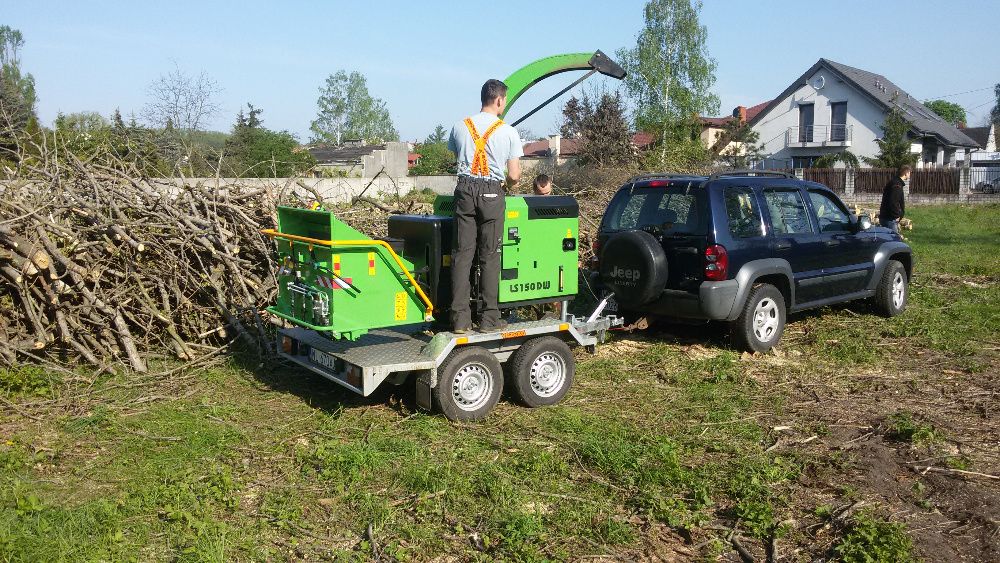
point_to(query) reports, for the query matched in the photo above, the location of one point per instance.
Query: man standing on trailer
(488, 151)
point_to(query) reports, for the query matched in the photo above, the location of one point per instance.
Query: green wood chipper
(362, 311)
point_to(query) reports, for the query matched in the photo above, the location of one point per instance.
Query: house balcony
(819, 136)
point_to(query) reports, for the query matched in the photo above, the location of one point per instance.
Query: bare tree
(181, 101)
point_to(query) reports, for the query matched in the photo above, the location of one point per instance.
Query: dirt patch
(943, 487)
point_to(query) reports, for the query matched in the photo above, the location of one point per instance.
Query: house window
(838, 121)
(805, 123)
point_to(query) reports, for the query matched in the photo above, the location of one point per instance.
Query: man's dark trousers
(479, 217)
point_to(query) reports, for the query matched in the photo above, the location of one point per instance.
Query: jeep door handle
(782, 245)
(830, 243)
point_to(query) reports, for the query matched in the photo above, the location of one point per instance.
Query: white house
(986, 155)
(834, 107)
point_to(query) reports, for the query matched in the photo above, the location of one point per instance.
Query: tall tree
(604, 134)
(995, 114)
(81, 122)
(948, 111)
(574, 112)
(435, 158)
(348, 111)
(894, 146)
(17, 90)
(670, 73)
(439, 135)
(255, 151)
(182, 101)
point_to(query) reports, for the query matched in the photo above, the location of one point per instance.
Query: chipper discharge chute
(340, 282)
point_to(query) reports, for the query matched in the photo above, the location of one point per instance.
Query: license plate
(323, 359)
(611, 306)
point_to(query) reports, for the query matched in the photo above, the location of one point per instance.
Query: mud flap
(423, 391)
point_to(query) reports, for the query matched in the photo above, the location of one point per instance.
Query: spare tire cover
(634, 266)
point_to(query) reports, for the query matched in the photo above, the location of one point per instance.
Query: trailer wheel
(470, 381)
(541, 371)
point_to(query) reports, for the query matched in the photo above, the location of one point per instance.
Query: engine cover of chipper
(539, 249)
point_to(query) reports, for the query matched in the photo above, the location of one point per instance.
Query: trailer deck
(364, 364)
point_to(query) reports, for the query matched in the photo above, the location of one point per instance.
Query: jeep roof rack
(655, 176)
(778, 173)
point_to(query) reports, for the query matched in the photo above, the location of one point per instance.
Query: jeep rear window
(674, 209)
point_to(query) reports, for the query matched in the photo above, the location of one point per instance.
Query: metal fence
(984, 180)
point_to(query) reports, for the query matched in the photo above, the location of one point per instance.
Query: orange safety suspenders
(480, 166)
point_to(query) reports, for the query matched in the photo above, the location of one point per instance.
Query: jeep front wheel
(893, 290)
(759, 326)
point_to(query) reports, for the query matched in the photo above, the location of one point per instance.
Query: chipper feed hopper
(362, 310)
(338, 281)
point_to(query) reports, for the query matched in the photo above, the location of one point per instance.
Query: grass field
(860, 438)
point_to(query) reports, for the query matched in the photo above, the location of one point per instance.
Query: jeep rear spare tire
(634, 266)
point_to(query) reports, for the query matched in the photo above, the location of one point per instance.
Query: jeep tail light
(716, 263)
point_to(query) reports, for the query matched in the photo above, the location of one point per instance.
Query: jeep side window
(788, 212)
(832, 219)
(741, 209)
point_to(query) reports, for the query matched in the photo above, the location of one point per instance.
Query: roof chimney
(554, 144)
(741, 114)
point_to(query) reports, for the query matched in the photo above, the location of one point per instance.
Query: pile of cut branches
(103, 266)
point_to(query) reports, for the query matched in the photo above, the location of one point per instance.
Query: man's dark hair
(903, 170)
(541, 180)
(492, 90)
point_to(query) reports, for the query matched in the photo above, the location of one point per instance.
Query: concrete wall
(335, 189)
(393, 159)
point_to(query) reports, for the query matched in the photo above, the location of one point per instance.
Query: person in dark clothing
(893, 202)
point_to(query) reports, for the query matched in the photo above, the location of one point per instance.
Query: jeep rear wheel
(760, 324)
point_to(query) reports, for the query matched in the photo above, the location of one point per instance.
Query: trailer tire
(541, 371)
(470, 382)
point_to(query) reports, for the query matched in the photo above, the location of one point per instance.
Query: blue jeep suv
(743, 247)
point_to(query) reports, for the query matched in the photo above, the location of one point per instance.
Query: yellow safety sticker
(513, 214)
(336, 264)
(401, 299)
(569, 233)
(371, 263)
(446, 260)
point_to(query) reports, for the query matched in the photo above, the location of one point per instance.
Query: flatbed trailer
(459, 375)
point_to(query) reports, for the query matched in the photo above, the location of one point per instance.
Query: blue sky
(428, 59)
